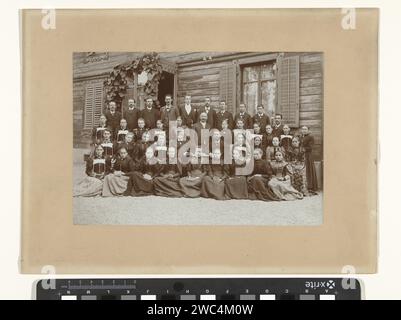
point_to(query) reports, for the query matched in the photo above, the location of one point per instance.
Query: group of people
(167, 153)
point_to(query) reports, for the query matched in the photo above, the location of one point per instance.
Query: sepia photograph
(198, 138)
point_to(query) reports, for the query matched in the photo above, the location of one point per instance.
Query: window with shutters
(259, 86)
(93, 104)
(275, 85)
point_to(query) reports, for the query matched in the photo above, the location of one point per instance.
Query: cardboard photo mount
(348, 235)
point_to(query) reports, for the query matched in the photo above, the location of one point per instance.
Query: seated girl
(168, 183)
(122, 131)
(286, 138)
(236, 186)
(138, 132)
(280, 183)
(122, 166)
(256, 128)
(160, 130)
(216, 142)
(213, 185)
(97, 132)
(141, 146)
(225, 132)
(128, 144)
(258, 144)
(257, 182)
(181, 138)
(191, 184)
(296, 160)
(108, 145)
(97, 167)
(241, 143)
(141, 181)
(268, 137)
(271, 151)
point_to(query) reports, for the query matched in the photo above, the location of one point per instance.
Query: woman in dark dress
(213, 184)
(191, 184)
(141, 181)
(307, 142)
(116, 182)
(97, 167)
(97, 132)
(296, 160)
(257, 182)
(280, 183)
(236, 186)
(168, 183)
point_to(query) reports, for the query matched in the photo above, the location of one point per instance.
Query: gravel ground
(153, 210)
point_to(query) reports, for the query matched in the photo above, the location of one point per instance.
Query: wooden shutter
(93, 104)
(228, 86)
(288, 89)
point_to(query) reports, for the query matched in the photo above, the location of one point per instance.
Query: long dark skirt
(114, 185)
(167, 186)
(311, 177)
(213, 188)
(138, 185)
(259, 190)
(236, 187)
(191, 186)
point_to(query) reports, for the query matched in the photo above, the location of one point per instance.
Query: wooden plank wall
(311, 98)
(200, 82)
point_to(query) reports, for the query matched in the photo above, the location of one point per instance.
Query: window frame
(253, 61)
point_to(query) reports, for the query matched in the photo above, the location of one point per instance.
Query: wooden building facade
(286, 83)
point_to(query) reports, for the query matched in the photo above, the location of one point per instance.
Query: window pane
(269, 96)
(268, 71)
(250, 74)
(251, 96)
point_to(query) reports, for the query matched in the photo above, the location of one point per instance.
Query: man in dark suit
(150, 114)
(113, 117)
(278, 126)
(131, 114)
(168, 112)
(244, 116)
(203, 141)
(223, 114)
(261, 118)
(211, 114)
(188, 113)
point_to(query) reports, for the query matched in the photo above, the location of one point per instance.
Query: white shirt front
(188, 108)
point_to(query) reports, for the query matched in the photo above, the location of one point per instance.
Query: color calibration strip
(248, 297)
(201, 289)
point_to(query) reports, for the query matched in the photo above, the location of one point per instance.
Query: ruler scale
(246, 289)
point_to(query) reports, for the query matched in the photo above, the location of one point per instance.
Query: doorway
(166, 86)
